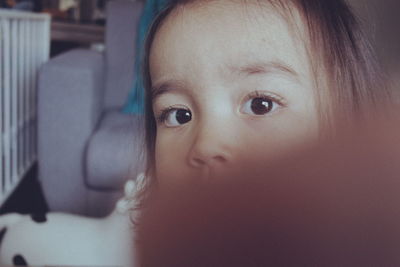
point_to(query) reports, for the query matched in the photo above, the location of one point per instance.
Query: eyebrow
(264, 67)
(247, 69)
(164, 87)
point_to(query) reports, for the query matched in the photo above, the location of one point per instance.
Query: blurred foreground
(335, 204)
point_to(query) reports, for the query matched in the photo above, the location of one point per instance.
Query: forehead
(209, 35)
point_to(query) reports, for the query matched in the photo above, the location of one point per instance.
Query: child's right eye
(174, 117)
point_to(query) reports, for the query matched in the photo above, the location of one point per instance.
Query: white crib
(24, 46)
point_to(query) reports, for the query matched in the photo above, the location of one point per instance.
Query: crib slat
(45, 43)
(24, 46)
(2, 37)
(7, 104)
(32, 83)
(20, 96)
(25, 92)
(14, 78)
(35, 66)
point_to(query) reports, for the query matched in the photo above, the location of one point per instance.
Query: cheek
(170, 156)
(276, 137)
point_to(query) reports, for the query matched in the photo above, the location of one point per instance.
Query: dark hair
(338, 47)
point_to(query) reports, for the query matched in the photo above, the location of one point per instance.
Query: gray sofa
(87, 148)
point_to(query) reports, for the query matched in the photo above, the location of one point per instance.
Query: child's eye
(259, 104)
(173, 117)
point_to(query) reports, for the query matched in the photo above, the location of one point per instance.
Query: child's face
(231, 81)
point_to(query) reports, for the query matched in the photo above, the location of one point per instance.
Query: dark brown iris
(261, 106)
(183, 116)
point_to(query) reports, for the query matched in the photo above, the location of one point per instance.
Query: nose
(213, 147)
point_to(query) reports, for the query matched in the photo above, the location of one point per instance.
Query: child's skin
(237, 81)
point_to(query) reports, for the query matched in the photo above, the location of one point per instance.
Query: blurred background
(75, 23)
(70, 10)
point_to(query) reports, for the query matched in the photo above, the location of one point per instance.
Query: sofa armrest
(69, 106)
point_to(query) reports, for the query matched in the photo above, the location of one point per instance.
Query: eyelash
(164, 113)
(279, 100)
(257, 94)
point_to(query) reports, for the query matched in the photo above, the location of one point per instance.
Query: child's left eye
(259, 105)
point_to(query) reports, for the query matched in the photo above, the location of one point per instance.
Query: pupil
(183, 116)
(261, 106)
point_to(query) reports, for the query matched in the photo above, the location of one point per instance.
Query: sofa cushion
(115, 151)
(122, 21)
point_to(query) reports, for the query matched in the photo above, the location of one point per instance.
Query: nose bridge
(213, 144)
